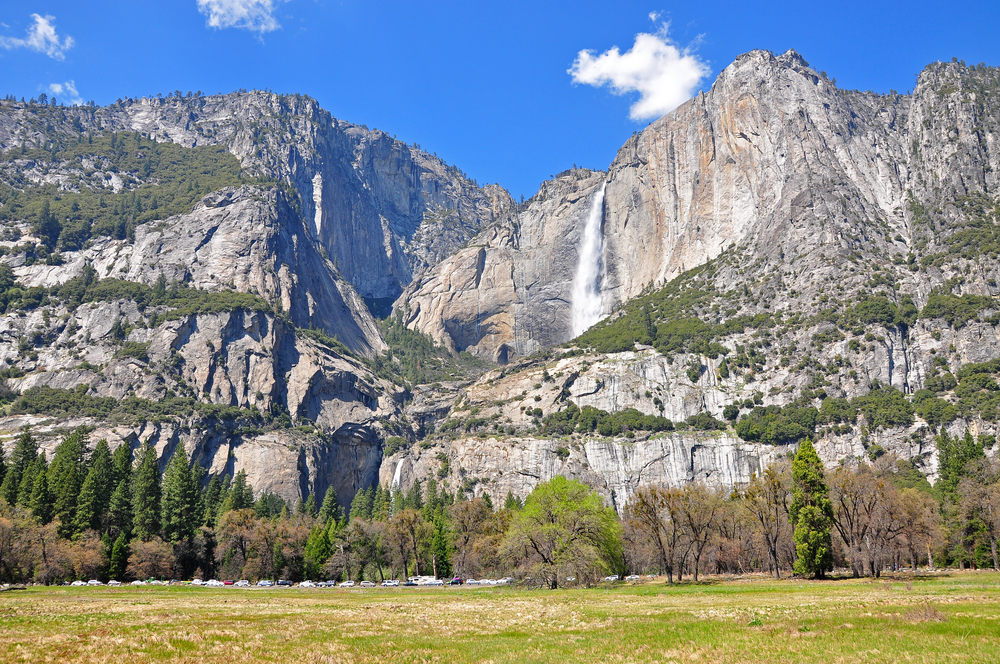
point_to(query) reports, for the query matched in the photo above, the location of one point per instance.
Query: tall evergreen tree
(382, 504)
(317, 551)
(415, 496)
(212, 500)
(66, 475)
(122, 460)
(239, 496)
(27, 487)
(361, 506)
(811, 513)
(120, 510)
(432, 499)
(24, 454)
(146, 495)
(119, 557)
(179, 500)
(330, 509)
(308, 506)
(95, 494)
(41, 503)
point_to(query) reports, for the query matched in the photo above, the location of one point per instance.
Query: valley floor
(903, 618)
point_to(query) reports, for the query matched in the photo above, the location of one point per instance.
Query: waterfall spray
(586, 289)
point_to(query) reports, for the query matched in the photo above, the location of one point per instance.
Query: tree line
(114, 514)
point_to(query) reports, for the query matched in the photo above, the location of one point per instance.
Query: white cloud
(254, 15)
(664, 75)
(654, 16)
(42, 38)
(67, 91)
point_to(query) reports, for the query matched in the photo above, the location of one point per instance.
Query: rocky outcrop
(509, 292)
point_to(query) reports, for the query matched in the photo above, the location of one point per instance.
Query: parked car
(390, 583)
(284, 582)
(633, 577)
(613, 577)
(264, 583)
(346, 584)
(471, 582)
(242, 583)
(78, 583)
(113, 582)
(410, 583)
(137, 582)
(197, 582)
(434, 582)
(307, 584)
(367, 584)
(94, 582)
(227, 583)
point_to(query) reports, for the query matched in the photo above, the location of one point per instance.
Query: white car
(78, 583)
(633, 577)
(346, 584)
(137, 582)
(265, 583)
(94, 582)
(471, 582)
(506, 581)
(197, 582)
(613, 577)
(307, 584)
(215, 583)
(367, 584)
(242, 583)
(434, 582)
(390, 583)
(113, 582)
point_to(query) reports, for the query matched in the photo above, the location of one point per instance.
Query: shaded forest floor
(904, 618)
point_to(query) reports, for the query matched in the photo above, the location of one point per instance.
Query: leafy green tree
(512, 503)
(66, 475)
(24, 455)
(146, 495)
(118, 562)
(811, 513)
(954, 455)
(563, 530)
(95, 494)
(179, 501)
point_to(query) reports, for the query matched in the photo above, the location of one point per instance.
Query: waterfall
(586, 296)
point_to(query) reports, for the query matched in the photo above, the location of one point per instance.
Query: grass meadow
(942, 617)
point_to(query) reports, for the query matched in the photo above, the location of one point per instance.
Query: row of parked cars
(267, 583)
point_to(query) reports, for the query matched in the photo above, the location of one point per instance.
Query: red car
(227, 583)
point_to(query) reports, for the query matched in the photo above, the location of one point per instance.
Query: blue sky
(485, 85)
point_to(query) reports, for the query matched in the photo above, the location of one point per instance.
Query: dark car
(284, 582)
(409, 583)
(456, 582)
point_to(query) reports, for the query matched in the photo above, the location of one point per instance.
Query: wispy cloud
(254, 15)
(664, 75)
(67, 91)
(42, 38)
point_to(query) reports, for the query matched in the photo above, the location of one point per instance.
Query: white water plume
(586, 288)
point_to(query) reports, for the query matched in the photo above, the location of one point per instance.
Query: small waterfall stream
(586, 294)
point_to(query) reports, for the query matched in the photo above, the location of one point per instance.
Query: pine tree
(120, 509)
(441, 546)
(382, 504)
(146, 495)
(415, 496)
(239, 496)
(121, 460)
(25, 453)
(330, 509)
(27, 486)
(432, 499)
(361, 506)
(811, 513)
(95, 494)
(512, 503)
(119, 557)
(66, 475)
(179, 500)
(213, 500)
(317, 552)
(41, 498)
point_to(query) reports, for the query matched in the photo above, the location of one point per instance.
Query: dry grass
(953, 617)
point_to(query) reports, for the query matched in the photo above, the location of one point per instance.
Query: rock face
(509, 292)
(246, 360)
(382, 211)
(765, 210)
(773, 162)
